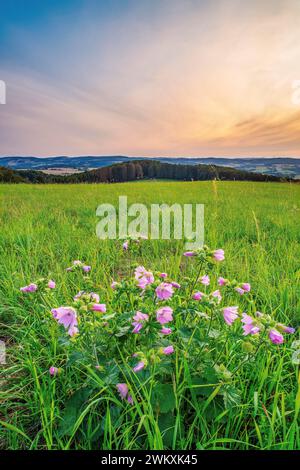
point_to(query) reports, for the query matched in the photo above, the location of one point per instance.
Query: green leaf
(72, 411)
(163, 398)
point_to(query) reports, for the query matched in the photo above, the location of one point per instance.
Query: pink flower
(198, 295)
(164, 315)
(239, 290)
(30, 288)
(165, 331)
(230, 314)
(189, 253)
(222, 281)
(139, 318)
(285, 329)
(246, 286)
(125, 245)
(77, 262)
(122, 389)
(67, 317)
(143, 277)
(140, 365)
(168, 350)
(175, 285)
(53, 370)
(51, 284)
(86, 269)
(275, 336)
(217, 294)
(218, 255)
(95, 297)
(163, 275)
(205, 280)
(137, 327)
(130, 399)
(164, 291)
(114, 285)
(249, 327)
(99, 308)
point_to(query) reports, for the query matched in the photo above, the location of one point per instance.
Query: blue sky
(150, 77)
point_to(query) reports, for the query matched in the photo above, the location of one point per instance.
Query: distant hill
(137, 170)
(286, 167)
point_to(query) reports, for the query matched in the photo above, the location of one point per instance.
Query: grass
(44, 228)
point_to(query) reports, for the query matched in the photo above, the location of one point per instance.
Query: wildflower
(249, 326)
(163, 275)
(189, 253)
(168, 350)
(77, 262)
(275, 336)
(222, 281)
(218, 255)
(205, 280)
(67, 317)
(98, 308)
(140, 365)
(175, 285)
(86, 269)
(246, 286)
(53, 370)
(198, 295)
(165, 331)
(95, 297)
(130, 399)
(139, 318)
(164, 291)
(51, 284)
(239, 290)
(217, 295)
(164, 315)
(122, 389)
(230, 314)
(125, 245)
(114, 285)
(285, 329)
(143, 277)
(30, 288)
(259, 314)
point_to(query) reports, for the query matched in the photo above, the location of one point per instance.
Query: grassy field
(44, 228)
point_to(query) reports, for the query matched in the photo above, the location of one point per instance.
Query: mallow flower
(189, 253)
(165, 331)
(51, 284)
(205, 280)
(139, 319)
(168, 350)
(198, 295)
(275, 336)
(123, 391)
(246, 286)
(230, 314)
(98, 308)
(30, 288)
(222, 281)
(140, 365)
(164, 291)
(67, 317)
(249, 326)
(53, 370)
(164, 315)
(219, 255)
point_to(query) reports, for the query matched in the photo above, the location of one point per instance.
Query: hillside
(138, 170)
(287, 167)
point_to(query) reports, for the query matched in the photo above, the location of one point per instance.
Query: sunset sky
(150, 77)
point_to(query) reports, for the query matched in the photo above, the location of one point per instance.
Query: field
(45, 228)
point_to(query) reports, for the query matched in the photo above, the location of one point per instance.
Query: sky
(150, 77)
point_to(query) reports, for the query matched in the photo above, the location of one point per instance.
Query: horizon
(153, 156)
(150, 78)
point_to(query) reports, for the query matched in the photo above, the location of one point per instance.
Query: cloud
(174, 78)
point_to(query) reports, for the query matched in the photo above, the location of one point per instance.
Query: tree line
(138, 170)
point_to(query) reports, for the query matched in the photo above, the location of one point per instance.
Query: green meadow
(45, 227)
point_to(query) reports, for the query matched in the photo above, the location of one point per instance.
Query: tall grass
(44, 228)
